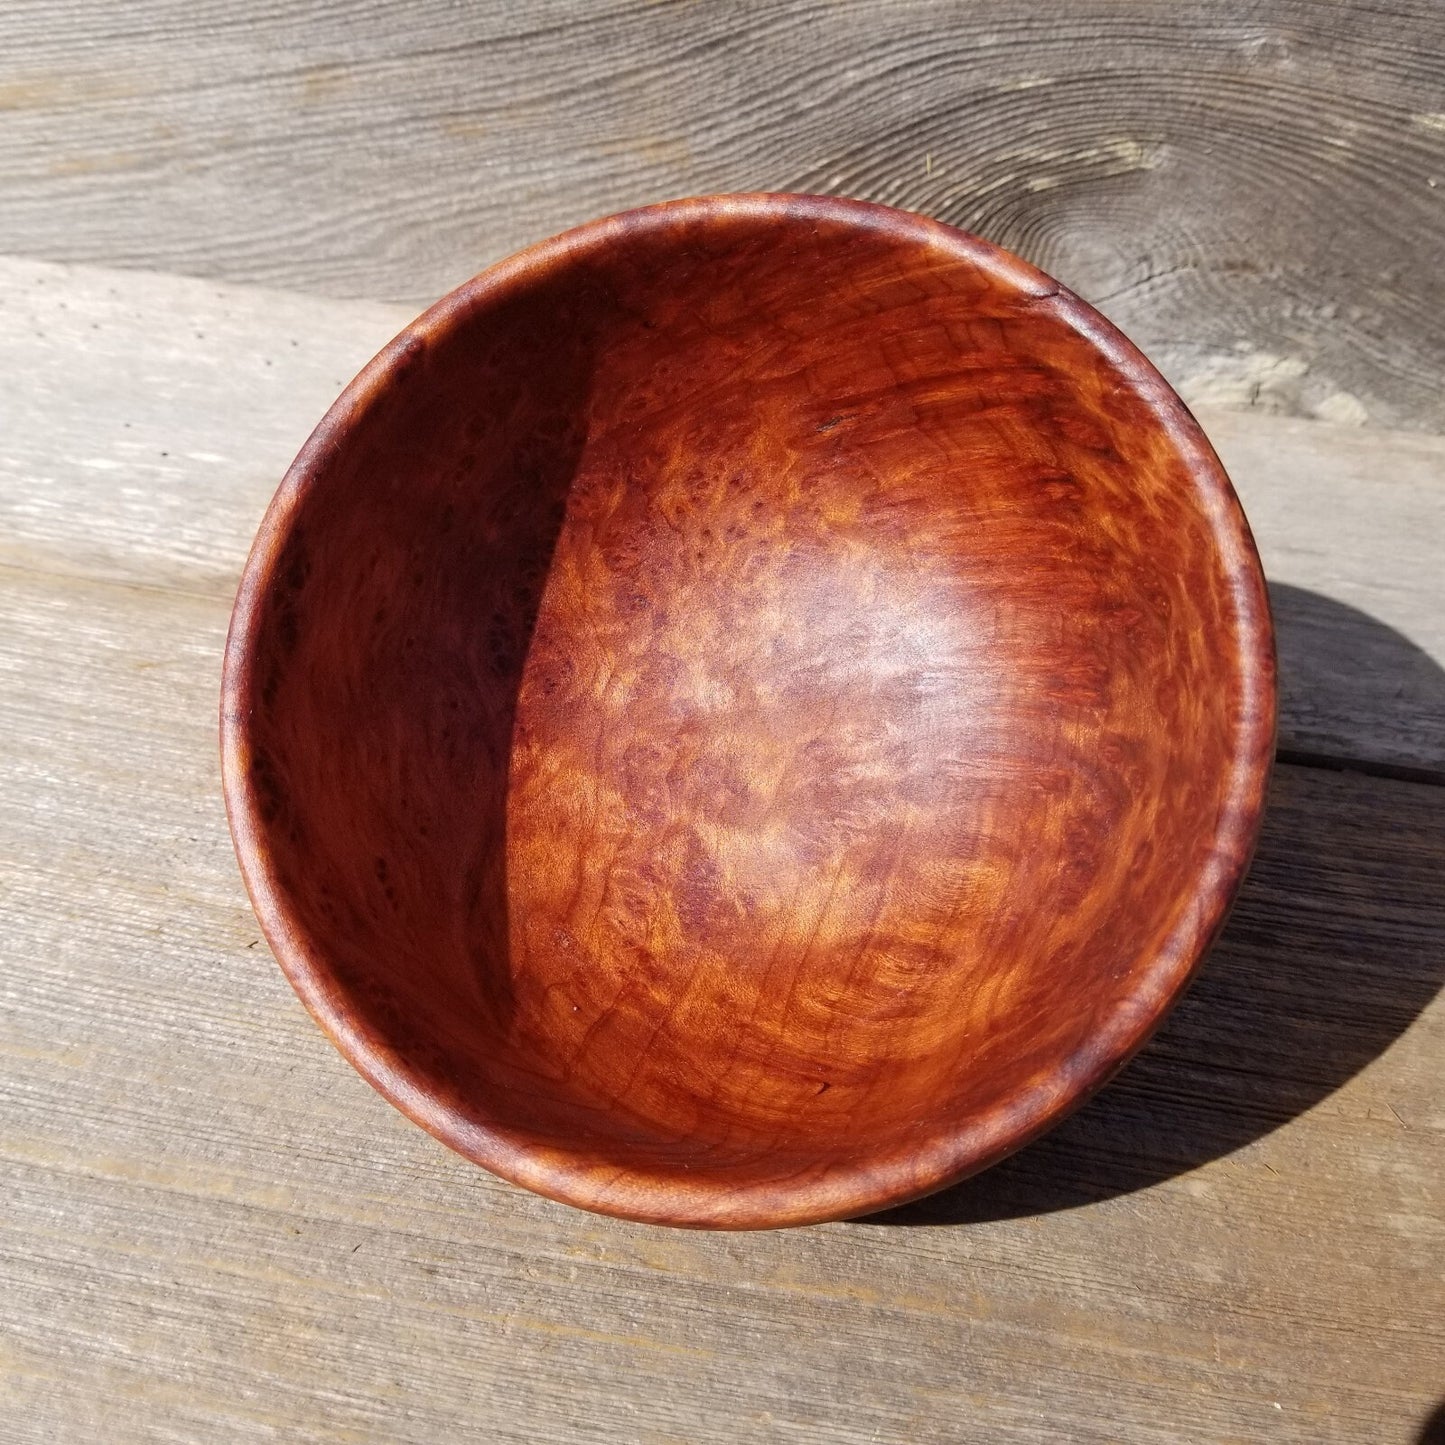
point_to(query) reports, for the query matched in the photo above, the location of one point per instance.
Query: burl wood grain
(748, 712)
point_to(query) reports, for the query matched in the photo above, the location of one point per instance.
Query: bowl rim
(877, 1182)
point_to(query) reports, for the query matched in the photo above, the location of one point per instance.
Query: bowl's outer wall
(748, 712)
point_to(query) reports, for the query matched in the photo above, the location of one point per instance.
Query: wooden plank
(1350, 526)
(1254, 192)
(145, 422)
(213, 1229)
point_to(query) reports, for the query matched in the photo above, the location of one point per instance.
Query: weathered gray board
(212, 1230)
(1256, 192)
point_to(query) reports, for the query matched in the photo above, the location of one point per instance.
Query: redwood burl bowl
(748, 712)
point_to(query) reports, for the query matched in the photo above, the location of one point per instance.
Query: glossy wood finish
(748, 712)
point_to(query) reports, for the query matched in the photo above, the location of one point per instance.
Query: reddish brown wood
(748, 712)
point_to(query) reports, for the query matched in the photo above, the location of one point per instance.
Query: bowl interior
(748, 712)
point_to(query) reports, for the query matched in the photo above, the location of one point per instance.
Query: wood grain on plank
(215, 1230)
(1350, 526)
(1255, 193)
(147, 421)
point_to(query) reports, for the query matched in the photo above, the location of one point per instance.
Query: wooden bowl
(748, 712)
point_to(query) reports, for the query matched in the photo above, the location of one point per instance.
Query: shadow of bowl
(1331, 952)
(1432, 1432)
